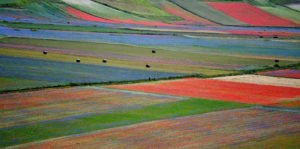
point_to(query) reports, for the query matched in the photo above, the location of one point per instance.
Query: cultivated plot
(188, 17)
(144, 8)
(202, 9)
(201, 131)
(218, 90)
(188, 60)
(19, 109)
(62, 73)
(264, 80)
(250, 14)
(286, 73)
(87, 123)
(202, 43)
(283, 12)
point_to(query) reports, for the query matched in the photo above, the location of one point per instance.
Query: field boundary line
(283, 109)
(136, 92)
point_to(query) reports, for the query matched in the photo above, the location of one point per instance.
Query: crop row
(244, 46)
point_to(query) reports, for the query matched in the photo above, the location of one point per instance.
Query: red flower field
(220, 90)
(250, 14)
(84, 16)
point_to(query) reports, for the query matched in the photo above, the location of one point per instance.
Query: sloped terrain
(144, 8)
(203, 10)
(250, 14)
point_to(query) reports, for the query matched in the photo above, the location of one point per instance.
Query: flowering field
(286, 73)
(292, 104)
(88, 123)
(189, 18)
(149, 74)
(240, 46)
(199, 131)
(189, 60)
(19, 109)
(84, 16)
(202, 9)
(147, 9)
(61, 73)
(250, 14)
(218, 90)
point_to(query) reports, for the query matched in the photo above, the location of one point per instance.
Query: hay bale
(148, 66)
(104, 61)
(45, 52)
(78, 60)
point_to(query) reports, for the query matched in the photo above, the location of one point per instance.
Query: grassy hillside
(143, 8)
(282, 2)
(100, 10)
(203, 10)
(283, 12)
(50, 10)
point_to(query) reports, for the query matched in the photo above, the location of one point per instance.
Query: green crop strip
(41, 131)
(35, 27)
